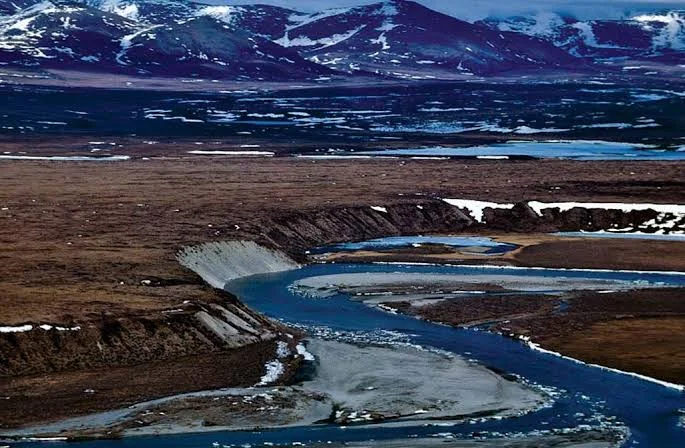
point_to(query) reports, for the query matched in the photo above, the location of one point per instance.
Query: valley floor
(85, 243)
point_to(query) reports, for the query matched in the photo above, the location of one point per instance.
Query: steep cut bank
(189, 329)
(118, 360)
(220, 262)
(221, 322)
(296, 232)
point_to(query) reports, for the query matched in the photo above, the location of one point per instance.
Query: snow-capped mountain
(8, 7)
(658, 36)
(396, 38)
(51, 32)
(135, 38)
(404, 38)
(264, 20)
(207, 46)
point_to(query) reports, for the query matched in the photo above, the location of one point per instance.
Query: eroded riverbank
(126, 269)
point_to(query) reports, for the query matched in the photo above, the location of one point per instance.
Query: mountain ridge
(392, 38)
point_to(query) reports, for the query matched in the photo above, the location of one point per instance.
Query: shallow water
(649, 112)
(489, 245)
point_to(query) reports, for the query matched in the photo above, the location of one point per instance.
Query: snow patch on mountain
(671, 33)
(120, 8)
(642, 36)
(328, 41)
(542, 24)
(224, 13)
(127, 42)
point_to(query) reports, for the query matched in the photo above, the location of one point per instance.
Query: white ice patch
(667, 221)
(672, 33)
(120, 8)
(622, 206)
(322, 42)
(282, 349)
(224, 13)
(29, 327)
(127, 42)
(302, 351)
(274, 370)
(588, 35)
(476, 208)
(525, 130)
(379, 209)
(18, 329)
(67, 158)
(233, 153)
(47, 327)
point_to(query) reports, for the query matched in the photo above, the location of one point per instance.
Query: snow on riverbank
(275, 369)
(44, 327)
(476, 208)
(538, 348)
(622, 206)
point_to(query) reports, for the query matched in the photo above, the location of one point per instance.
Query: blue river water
(584, 395)
(564, 149)
(588, 395)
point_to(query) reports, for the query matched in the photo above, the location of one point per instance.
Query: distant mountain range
(398, 38)
(655, 37)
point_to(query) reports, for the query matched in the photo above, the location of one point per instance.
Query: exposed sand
(405, 285)
(380, 382)
(352, 385)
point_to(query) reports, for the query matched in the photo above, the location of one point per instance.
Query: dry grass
(653, 347)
